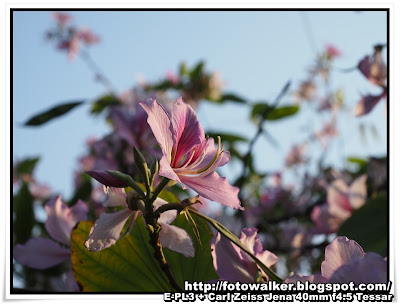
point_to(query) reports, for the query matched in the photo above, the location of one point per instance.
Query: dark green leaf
(226, 137)
(368, 225)
(270, 113)
(200, 267)
(197, 71)
(230, 97)
(24, 216)
(27, 165)
(104, 102)
(52, 113)
(127, 266)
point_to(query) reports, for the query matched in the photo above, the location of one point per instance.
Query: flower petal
(79, 212)
(40, 253)
(106, 178)
(160, 124)
(215, 188)
(338, 195)
(340, 252)
(166, 217)
(115, 197)
(367, 103)
(358, 192)
(59, 221)
(229, 262)
(107, 230)
(176, 239)
(187, 129)
(371, 268)
(166, 170)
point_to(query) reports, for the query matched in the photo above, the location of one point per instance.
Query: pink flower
(233, 264)
(189, 157)
(62, 18)
(373, 67)
(107, 229)
(367, 103)
(332, 51)
(346, 261)
(172, 77)
(342, 200)
(87, 36)
(295, 155)
(43, 253)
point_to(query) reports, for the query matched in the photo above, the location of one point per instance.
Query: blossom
(342, 200)
(345, 261)
(373, 67)
(296, 155)
(107, 229)
(87, 36)
(43, 253)
(233, 264)
(189, 157)
(62, 18)
(367, 103)
(332, 51)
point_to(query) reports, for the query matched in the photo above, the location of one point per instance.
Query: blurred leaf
(127, 266)
(230, 97)
(27, 165)
(84, 190)
(168, 196)
(197, 71)
(52, 113)
(272, 114)
(360, 162)
(368, 225)
(200, 267)
(226, 137)
(24, 216)
(103, 103)
(183, 69)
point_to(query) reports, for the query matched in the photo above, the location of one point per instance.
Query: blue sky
(255, 53)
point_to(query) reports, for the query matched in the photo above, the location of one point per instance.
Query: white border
(394, 23)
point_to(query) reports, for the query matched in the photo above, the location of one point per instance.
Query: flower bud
(135, 202)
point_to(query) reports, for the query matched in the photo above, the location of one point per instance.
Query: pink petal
(215, 188)
(40, 253)
(59, 221)
(166, 217)
(358, 192)
(371, 268)
(176, 239)
(79, 212)
(166, 170)
(229, 262)
(71, 281)
(367, 103)
(340, 252)
(314, 278)
(115, 197)
(337, 195)
(210, 151)
(107, 230)
(161, 126)
(187, 129)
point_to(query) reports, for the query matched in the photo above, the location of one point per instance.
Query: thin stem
(159, 189)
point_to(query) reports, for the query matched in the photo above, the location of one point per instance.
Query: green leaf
(104, 102)
(368, 225)
(26, 166)
(52, 113)
(230, 97)
(24, 216)
(200, 267)
(127, 266)
(272, 114)
(197, 71)
(227, 137)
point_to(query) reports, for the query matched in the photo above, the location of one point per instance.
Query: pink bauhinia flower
(345, 261)
(233, 264)
(373, 67)
(189, 157)
(332, 51)
(107, 229)
(367, 103)
(42, 252)
(342, 200)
